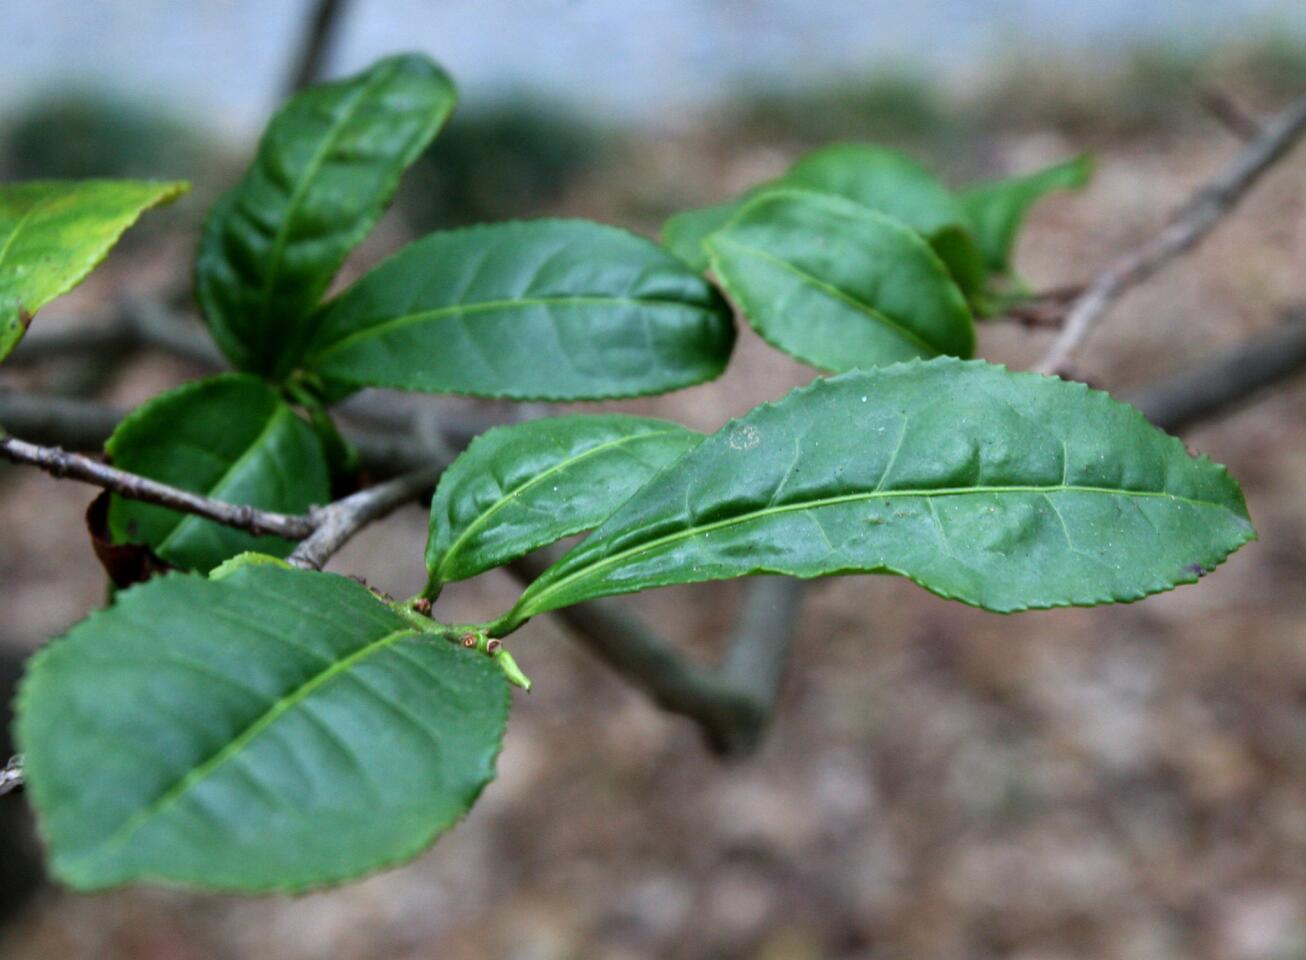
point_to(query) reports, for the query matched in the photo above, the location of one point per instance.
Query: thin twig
(731, 704)
(11, 774)
(76, 466)
(338, 523)
(1220, 384)
(323, 530)
(1189, 226)
(1046, 309)
(320, 29)
(1230, 113)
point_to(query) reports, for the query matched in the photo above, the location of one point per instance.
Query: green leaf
(683, 233)
(326, 167)
(996, 210)
(273, 730)
(229, 437)
(882, 180)
(1008, 491)
(545, 310)
(894, 184)
(837, 285)
(524, 486)
(53, 233)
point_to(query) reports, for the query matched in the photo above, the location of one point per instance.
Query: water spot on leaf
(745, 436)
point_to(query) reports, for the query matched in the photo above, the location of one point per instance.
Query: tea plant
(243, 721)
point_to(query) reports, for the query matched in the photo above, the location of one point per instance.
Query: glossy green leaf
(230, 437)
(1008, 491)
(326, 167)
(524, 486)
(837, 285)
(996, 210)
(53, 233)
(545, 309)
(273, 730)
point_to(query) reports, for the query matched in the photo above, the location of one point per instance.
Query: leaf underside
(327, 166)
(520, 487)
(837, 285)
(545, 309)
(53, 233)
(230, 437)
(298, 733)
(1008, 491)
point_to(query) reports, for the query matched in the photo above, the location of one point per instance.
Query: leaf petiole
(474, 636)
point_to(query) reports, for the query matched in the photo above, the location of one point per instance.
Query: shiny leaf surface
(524, 486)
(837, 285)
(1008, 491)
(545, 309)
(326, 167)
(272, 730)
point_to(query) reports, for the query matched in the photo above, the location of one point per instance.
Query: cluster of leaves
(240, 724)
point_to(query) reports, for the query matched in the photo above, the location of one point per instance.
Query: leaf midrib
(831, 291)
(196, 774)
(527, 601)
(301, 188)
(279, 412)
(482, 518)
(482, 306)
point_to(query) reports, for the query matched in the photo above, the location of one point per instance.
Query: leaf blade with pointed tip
(230, 437)
(838, 285)
(53, 233)
(1004, 490)
(273, 730)
(996, 210)
(534, 310)
(520, 487)
(327, 166)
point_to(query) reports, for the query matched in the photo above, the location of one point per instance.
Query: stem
(11, 774)
(1190, 225)
(320, 30)
(60, 463)
(337, 524)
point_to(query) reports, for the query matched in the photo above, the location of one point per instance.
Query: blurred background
(1127, 782)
